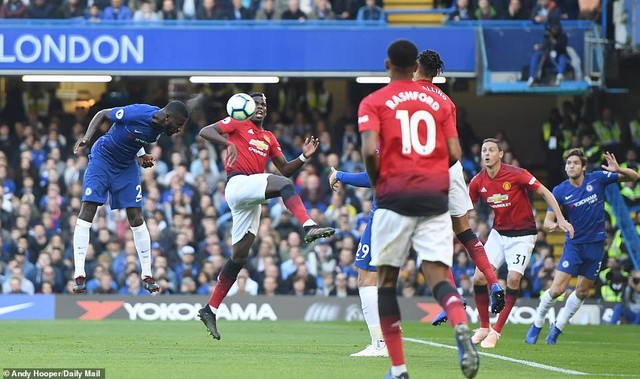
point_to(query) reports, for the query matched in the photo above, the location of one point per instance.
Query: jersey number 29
(409, 126)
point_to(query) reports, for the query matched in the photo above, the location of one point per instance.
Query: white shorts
(245, 195)
(515, 250)
(392, 234)
(459, 200)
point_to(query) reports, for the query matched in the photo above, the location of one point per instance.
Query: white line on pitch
(514, 360)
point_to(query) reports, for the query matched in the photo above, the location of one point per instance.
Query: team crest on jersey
(589, 187)
(565, 264)
(506, 186)
(119, 114)
(88, 191)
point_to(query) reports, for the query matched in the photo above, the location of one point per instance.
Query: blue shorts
(363, 255)
(121, 185)
(582, 259)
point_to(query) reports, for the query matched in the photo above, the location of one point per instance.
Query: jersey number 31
(410, 138)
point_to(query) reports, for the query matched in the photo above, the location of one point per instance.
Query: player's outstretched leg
(209, 319)
(532, 335)
(467, 353)
(441, 318)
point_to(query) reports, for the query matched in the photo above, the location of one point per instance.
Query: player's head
(401, 58)
(174, 117)
(261, 106)
(575, 163)
(491, 152)
(429, 65)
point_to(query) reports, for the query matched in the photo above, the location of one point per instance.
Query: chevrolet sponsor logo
(497, 198)
(258, 144)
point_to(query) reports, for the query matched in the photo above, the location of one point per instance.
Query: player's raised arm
(555, 207)
(626, 174)
(288, 168)
(212, 133)
(94, 124)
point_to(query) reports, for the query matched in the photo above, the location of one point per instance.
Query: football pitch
(308, 350)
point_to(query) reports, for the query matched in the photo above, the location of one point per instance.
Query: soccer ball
(241, 106)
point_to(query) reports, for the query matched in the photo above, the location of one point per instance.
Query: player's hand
(566, 227)
(612, 164)
(82, 142)
(147, 161)
(310, 146)
(333, 180)
(232, 154)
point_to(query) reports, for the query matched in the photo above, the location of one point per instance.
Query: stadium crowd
(364, 10)
(188, 218)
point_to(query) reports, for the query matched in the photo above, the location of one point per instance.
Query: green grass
(135, 349)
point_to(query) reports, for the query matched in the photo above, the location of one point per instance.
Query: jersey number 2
(409, 127)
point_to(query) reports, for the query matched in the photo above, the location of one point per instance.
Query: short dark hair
(402, 53)
(494, 140)
(430, 63)
(577, 153)
(177, 108)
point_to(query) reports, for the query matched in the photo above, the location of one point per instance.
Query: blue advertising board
(26, 307)
(199, 48)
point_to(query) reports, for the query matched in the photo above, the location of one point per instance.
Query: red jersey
(254, 145)
(507, 195)
(413, 125)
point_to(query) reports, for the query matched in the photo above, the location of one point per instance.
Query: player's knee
(582, 293)
(135, 217)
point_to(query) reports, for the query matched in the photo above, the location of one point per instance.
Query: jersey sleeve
(607, 177)
(368, 116)
(274, 147)
(360, 179)
(226, 125)
(528, 180)
(130, 112)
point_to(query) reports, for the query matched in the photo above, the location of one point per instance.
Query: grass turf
(174, 349)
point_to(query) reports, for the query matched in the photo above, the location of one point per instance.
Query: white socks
(81, 236)
(369, 300)
(142, 241)
(546, 302)
(570, 308)
(309, 222)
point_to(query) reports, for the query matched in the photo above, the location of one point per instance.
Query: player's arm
(213, 133)
(288, 168)
(455, 151)
(94, 124)
(370, 155)
(555, 208)
(624, 174)
(360, 179)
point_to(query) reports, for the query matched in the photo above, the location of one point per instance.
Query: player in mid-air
(113, 171)
(429, 66)
(249, 147)
(582, 197)
(504, 188)
(418, 141)
(367, 274)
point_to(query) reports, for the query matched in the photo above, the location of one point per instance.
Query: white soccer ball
(241, 106)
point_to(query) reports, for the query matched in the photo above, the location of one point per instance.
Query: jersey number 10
(410, 138)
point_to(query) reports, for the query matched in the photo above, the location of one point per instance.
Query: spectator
(13, 9)
(116, 11)
(462, 11)
(40, 9)
(544, 11)
(267, 11)
(629, 308)
(71, 9)
(322, 11)
(514, 11)
(552, 52)
(485, 11)
(94, 14)
(371, 12)
(145, 13)
(168, 12)
(293, 12)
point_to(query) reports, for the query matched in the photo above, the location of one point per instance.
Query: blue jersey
(584, 205)
(131, 130)
(360, 179)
